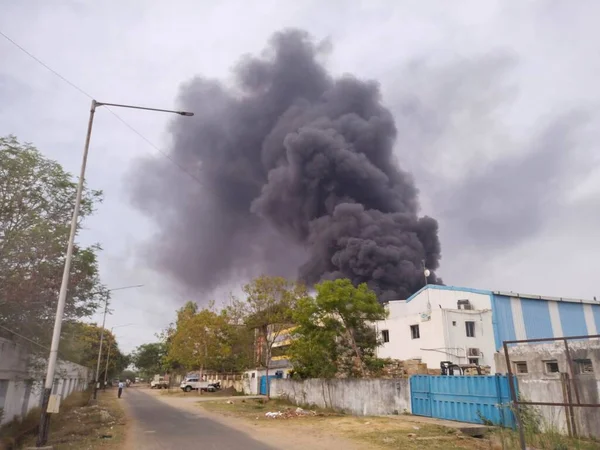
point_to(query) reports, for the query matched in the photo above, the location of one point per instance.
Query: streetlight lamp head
(185, 113)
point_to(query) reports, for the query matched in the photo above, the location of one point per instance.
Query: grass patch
(79, 426)
(549, 440)
(381, 431)
(429, 437)
(255, 409)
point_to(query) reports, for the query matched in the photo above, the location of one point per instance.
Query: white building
(21, 386)
(464, 325)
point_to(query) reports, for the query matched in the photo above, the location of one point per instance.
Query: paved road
(158, 426)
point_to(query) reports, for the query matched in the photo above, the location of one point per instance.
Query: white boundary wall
(21, 386)
(370, 397)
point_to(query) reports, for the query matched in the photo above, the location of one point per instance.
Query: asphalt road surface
(158, 426)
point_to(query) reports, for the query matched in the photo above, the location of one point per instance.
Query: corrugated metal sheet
(518, 321)
(596, 310)
(503, 320)
(572, 319)
(463, 398)
(536, 316)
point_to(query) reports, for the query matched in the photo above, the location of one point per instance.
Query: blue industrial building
(518, 316)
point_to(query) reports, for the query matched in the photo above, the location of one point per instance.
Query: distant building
(468, 326)
(279, 365)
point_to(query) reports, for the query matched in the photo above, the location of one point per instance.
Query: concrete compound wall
(540, 385)
(21, 385)
(359, 397)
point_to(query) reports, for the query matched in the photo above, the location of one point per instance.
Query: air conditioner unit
(473, 352)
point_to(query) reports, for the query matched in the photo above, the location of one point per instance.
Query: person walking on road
(121, 386)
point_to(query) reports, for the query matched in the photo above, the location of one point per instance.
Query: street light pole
(96, 379)
(62, 296)
(108, 353)
(107, 358)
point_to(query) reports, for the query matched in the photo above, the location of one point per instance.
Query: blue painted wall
(536, 316)
(504, 329)
(596, 309)
(572, 319)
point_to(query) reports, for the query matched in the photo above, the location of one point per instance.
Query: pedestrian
(121, 386)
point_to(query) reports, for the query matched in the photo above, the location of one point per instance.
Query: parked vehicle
(159, 383)
(194, 383)
(216, 386)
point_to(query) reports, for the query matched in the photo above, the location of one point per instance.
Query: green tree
(335, 334)
(207, 339)
(200, 341)
(36, 204)
(149, 359)
(80, 343)
(268, 309)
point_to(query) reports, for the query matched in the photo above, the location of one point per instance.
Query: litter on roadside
(290, 413)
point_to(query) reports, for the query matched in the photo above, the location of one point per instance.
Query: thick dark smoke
(297, 177)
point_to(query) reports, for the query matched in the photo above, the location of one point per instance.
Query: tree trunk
(356, 350)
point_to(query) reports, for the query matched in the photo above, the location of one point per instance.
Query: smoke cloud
(297, 177)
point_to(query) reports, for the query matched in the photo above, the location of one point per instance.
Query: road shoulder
(278, 434)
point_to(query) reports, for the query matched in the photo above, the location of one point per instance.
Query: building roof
(503, 293)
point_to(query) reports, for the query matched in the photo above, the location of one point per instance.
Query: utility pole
(107, 358)
(96, 380)
(64, 286)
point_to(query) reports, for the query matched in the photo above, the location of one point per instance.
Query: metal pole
(571, 370)
(515, 401)
(107, 358)
(97, 381)
(62, 296)
(181, 113)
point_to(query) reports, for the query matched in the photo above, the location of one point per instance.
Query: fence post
(571, 411)
(513, 395)
(499, 397)
(563, 382)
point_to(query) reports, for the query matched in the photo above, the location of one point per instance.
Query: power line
(25, 337)
(73, 85)
(80, 90)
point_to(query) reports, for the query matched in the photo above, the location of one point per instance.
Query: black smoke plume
(297, 177)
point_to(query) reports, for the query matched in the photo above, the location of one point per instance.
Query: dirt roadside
(327, 431)
(278, 434)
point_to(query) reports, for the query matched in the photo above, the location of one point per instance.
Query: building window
(464, 304)
(474, 361)
(584, 366)
(521, 367)
(470, 328)
(454, 323)
(414, 332)
(551, 366)
(385, 335)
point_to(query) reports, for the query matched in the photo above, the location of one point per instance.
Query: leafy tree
(200, 341)
(80, 344)
(207, 339)
(150, 358)
(36, 204)
(268, 309)
(335, 335)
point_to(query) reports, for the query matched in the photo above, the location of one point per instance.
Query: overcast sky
(495, 101)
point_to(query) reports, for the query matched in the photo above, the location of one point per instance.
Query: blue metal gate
(472, 399)
(263, 383)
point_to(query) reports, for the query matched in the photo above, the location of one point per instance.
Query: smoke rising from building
(297, 178)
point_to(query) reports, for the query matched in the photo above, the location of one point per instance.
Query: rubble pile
(289, 413)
